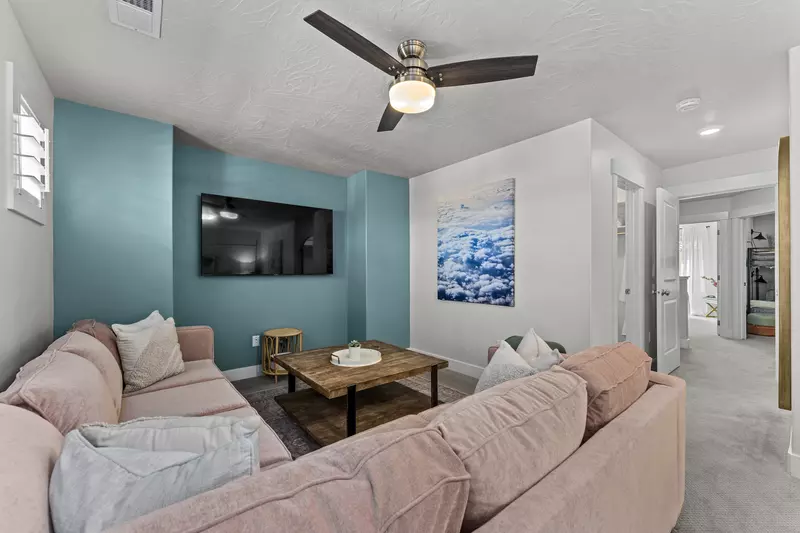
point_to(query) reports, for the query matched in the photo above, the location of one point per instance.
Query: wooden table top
(315, 368)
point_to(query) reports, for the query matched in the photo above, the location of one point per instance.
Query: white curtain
(698, 259)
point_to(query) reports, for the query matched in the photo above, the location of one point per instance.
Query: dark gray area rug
(297, 441)
(736, 438)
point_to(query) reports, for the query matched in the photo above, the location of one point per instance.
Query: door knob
(665, 292)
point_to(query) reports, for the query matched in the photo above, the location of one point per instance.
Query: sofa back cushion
(91, 349)
(65, 389)
(29, 448)
(101, 332)
(510, 436)
(616, 376)
(393, 482)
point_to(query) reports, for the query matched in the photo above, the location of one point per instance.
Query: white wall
(553, 249)
(736, 173)
(794, 201)
(26, 262)
(766, 225)
(755, 162)
(744, 204)
(636, 168)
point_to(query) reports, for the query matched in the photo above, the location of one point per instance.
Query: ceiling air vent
(143, 16)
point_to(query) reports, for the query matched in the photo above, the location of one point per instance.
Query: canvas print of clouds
(476, 245)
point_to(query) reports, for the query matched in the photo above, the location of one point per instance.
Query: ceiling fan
(414, 87)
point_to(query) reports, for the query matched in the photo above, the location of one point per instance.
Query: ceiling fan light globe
(412, 94)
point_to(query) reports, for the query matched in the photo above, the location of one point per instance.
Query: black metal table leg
(291, 382)
(434, 386)
(351, 410)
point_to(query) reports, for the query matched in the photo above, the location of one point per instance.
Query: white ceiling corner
(251, 78)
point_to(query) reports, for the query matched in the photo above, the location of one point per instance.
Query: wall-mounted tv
(241, 237)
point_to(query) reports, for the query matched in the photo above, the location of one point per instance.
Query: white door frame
(634, 253)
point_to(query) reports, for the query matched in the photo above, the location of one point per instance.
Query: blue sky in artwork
(475, 245)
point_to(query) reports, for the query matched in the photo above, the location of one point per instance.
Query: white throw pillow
(533, 346)
(110, 474)
(148, 350)
(506, 364)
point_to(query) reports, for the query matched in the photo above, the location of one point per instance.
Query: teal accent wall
(378, 258)
(240, 307)
(112, 216)
(388, 277)
(357, 256)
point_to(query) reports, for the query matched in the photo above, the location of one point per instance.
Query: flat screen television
(241, 237)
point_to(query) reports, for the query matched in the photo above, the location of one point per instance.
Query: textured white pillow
(110, 474)
(533, 346)
(148, 350)
(506, 364)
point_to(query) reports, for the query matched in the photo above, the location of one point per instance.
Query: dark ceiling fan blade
(483, 70)
(354, 42)
(390, 118)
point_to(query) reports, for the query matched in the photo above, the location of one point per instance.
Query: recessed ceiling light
(709, 130)
(687, 104)
(230, 215)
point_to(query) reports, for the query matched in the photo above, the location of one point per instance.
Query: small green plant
(354, 344)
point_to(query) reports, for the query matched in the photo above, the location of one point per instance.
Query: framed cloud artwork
(475, 245)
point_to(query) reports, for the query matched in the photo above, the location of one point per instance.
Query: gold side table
(275, 341)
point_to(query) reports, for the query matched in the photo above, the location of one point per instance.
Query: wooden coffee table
(331, 409)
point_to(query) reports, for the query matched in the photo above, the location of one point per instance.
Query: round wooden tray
(368, 357)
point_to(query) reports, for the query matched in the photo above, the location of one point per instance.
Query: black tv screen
(241, 237)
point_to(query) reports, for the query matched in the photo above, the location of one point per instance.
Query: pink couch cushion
(91, 349)
(197, 342)
(394, 482)
(198, 399)
(510, 436)
(272, 451)
(101, 332)
(194, 372)
(29, 448)
(65, 389)
(616, 376)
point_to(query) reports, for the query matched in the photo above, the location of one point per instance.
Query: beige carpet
(736, 438)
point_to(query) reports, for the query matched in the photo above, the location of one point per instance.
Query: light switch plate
(256, 341)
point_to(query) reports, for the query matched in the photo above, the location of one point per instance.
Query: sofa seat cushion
(394, 482)
(65, 389)
(197, 399)
(29, 448)
(93, 350)
(616, 376)
(272, 451)
(195, 372)
(510, 436)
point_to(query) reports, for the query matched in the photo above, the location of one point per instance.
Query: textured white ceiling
(251, 78)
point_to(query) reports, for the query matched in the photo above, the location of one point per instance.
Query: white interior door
(667, 282)
(732, 291)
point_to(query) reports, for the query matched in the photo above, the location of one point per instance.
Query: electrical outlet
(256, 341)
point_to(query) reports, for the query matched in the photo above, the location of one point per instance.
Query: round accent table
(275, 341)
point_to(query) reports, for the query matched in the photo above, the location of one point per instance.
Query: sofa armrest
(665, 379)
(197, 342)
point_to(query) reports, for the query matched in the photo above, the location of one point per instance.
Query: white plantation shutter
(29, 154)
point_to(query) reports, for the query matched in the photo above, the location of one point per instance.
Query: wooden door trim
(785, 281)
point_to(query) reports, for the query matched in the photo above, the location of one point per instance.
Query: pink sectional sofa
(512, 458)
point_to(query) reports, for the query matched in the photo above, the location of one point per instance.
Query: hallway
(736, 438)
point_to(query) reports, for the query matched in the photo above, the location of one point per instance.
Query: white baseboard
(793, 459)
(235, 374)
(456, 366)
